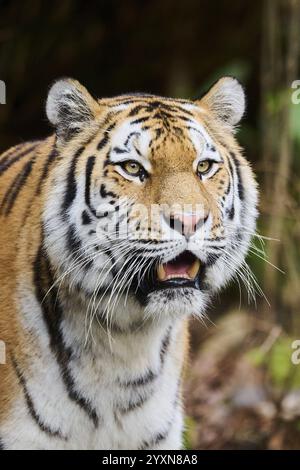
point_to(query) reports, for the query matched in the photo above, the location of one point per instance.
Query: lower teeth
(191, 274)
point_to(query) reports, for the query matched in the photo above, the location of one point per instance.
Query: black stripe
(88, 174)
(106, 137)
(114, 327)
(155, 440)
(212, 258)
(71, 188)
(4, 165)
(230, 182)
(217, 171)
(165, 346)
(141, 381)
(129, 137)
(178, 130)
(8, 193)
(1, 444)
(103, 142)
(137, 151)
(104, 193)
(30, 405)
(227, 191)
(138, 403)
(150, 376)
(119, 150)
(183, 118)
(13, 191)
(85, 218)
(137, 109)
(4, 157)
(74, 245)
(164, 115)
(231, 212)
(7, 153)
(141, 119)
(134, 404)
(216, 248)
(151, 105)
(73, 240)
(216, 239)
(52, 314)
(239, 177)
(24, 175)
(114, 268)
(51, 158)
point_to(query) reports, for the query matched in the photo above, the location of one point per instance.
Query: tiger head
(151, 203)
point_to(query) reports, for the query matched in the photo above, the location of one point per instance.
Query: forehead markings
(203, 144)
(147, 99)
(168, 115)
(130, 143)
(155, 107)
(167, 112)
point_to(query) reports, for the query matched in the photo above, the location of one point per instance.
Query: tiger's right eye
(135, 169)
(132, 168)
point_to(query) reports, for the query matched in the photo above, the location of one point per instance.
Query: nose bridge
(183, 191)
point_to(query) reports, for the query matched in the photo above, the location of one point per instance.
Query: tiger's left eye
(203, 167)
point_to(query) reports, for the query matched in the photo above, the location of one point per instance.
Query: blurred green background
(242, 389)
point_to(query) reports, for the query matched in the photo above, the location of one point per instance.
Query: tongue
(178, 268)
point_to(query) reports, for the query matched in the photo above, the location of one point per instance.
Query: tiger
(96, 294)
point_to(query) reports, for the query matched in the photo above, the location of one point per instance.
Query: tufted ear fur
(70, 108)
(226, 100)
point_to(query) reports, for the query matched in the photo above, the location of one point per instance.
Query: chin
(175, 289)
(177, 303)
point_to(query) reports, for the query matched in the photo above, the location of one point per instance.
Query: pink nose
(187, 224)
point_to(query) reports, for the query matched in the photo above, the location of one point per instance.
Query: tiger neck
(75, 328)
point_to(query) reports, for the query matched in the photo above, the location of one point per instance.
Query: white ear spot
(57, 94)
(226, 100)
(69, 107)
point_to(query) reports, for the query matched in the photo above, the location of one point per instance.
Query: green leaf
(256, 356)
(280, 365)
(295, 122)
(189, 430)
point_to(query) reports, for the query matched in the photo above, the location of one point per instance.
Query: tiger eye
(132, 168)
(203, 167)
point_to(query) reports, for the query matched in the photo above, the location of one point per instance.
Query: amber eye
(203, 167)
(132, 168)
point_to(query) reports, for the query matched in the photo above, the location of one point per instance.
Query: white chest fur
(118, 392)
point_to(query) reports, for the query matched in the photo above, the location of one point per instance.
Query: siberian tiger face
(151, 203)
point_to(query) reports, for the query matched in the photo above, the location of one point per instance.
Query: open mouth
(184, 271)
(184, 267)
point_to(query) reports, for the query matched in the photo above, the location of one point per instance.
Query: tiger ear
(226, 100)
(70, 108)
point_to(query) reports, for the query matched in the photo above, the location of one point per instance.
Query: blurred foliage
(189, 430)
(169, 48)
(243, 391)
(277, 362)
(282, 371)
